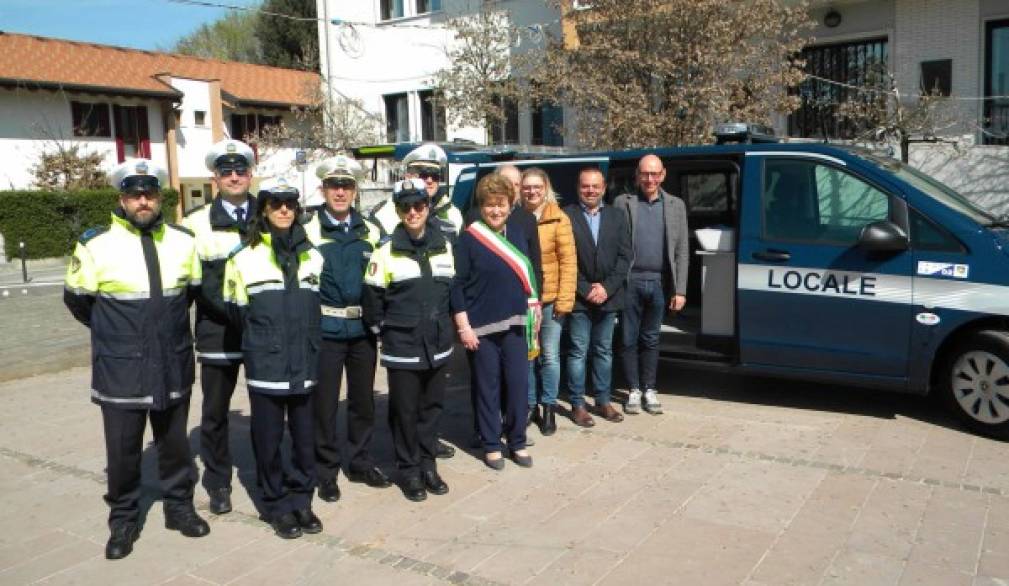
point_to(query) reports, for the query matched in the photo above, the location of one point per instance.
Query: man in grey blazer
(658, 278)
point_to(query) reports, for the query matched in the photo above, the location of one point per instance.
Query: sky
(141, 24)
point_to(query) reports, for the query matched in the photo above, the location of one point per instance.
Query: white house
(385, 52)
(124, 103)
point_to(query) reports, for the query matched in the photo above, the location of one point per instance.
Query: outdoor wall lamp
(832, 18)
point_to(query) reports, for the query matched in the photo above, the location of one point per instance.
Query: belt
(349, 312)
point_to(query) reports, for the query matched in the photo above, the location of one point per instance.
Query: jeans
(591, 334)
(639, 326)
(545, 370)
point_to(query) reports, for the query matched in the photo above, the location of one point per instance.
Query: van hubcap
(980, 382)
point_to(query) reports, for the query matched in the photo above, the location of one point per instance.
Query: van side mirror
(882, 236)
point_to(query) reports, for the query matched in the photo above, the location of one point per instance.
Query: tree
(231, 38)
(289, 42)
(476, 87)
(662, 72)
(64, 167)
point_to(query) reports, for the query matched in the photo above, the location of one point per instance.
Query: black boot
(548, 422)
(533, 416)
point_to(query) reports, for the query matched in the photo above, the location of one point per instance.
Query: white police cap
(229, 151)
(427, 155)
(339, 167)
(407, 190)
(278, 188)
(122, 173)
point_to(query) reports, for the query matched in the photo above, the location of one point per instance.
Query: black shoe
(220, 500)
(186, 522)
(433, 482)
(548, 422)
(121, 541)
(444, 451)
(286, 526)
(328, 490)
(308, 522)
(373, 477)
(476, 442)
(533, 416)
(413, 489)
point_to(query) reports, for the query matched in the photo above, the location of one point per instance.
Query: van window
(707, 191)
(807, 200)
(927, 236)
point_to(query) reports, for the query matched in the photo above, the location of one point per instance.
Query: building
(961, 47)
(124, 103)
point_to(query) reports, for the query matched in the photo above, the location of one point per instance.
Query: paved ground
(742, 481)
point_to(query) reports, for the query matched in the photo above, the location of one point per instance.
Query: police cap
(340, 168)
(428, 156)
(138, 176)
(408, 191)
(278, 188)
(230, 154)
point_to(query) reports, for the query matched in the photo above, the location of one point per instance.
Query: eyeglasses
(650, 173)
(417, 206)
(276, 204)
(432, 175)
(533, 187)
(227, 171)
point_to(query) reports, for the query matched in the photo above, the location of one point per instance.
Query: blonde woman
(560, 270)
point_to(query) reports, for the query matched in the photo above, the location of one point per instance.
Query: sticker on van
(943, 269)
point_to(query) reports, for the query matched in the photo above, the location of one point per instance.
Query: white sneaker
(652, 404)
(633, 404)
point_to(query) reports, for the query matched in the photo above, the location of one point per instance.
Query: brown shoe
(609, 413)
(580, 415)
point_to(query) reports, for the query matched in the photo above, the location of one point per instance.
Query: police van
(827, 263)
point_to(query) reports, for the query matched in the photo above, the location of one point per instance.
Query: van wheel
(976, 383)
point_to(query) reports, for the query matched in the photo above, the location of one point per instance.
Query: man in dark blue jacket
(603, 242)
(346, 241)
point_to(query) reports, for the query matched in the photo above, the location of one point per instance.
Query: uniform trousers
(499, 372)
(124, 437)
(290, 489)
(218, 382)
(415, 406)
(358, 356)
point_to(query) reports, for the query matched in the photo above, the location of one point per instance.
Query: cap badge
(141, 168)
(231, 148)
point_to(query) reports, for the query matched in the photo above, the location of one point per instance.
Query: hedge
(49, 222)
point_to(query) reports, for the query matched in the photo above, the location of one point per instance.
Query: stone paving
(743, 481)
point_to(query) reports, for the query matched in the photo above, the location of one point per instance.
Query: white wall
(193, 141)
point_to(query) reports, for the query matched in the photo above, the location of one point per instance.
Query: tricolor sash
(523, 268)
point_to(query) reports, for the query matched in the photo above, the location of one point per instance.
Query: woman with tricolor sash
(494, 302)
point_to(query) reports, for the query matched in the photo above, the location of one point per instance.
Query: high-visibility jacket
(345, 256)
(217, 236)
(277, 308)
(133, 290)
(444, 216)
(407, 300)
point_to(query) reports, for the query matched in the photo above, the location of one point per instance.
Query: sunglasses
(276, 204)
(226, 171)
(339, 183)
(432, 175)
(417, 206)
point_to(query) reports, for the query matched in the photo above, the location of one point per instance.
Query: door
(808, 296)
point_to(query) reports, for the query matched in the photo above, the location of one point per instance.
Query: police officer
(131, 283)
(346, 241)
(219, 228)
(407, 304)
(271, 291)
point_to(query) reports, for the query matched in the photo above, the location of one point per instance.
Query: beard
(145, 219)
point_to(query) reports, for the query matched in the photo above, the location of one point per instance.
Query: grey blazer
(677, 239)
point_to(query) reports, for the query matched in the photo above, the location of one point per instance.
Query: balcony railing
(996, 121)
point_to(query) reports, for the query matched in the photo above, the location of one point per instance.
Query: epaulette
(91, 233)
(194, 210)
(183, 229)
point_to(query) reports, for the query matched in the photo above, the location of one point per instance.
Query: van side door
(809, 298)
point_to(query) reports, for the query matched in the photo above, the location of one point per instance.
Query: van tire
(975, 383)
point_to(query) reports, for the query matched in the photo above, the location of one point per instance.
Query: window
(707, 192)
(392, 9)
(424, 6)
(548, 125)
(862, 63)
(432, 117)
(507, 130)
(200, 118)
(996, 83)
(90, 119)
(810, 201)
(937, 77)
(246, 126)
(927, 236)
(397, 118)
(132, 134)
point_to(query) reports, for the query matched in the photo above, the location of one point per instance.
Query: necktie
(240, 215)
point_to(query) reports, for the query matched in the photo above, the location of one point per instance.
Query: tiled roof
(72, 64)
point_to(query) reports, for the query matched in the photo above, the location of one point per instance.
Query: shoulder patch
(90, 233)
(194, 210)
(183, 229)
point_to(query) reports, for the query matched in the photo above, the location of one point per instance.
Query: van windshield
(932, 188)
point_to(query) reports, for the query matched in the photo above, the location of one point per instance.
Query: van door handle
(772, 255)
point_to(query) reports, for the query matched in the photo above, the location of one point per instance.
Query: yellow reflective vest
(133, 290)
